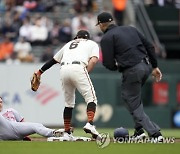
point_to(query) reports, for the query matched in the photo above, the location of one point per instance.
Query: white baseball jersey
(78, 50)
(74, 58)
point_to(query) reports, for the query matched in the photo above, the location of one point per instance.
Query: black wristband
(41, 71)
(48, 64)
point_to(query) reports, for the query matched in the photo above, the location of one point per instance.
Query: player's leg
(11, 130)
(85, 87)
(67, 115)
(69, 96)
(27, 128)
(131, 93)
(6, 130)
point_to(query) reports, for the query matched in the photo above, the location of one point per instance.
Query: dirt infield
(41, 139)
(177, 140)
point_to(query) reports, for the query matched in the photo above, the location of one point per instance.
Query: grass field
(20, 147)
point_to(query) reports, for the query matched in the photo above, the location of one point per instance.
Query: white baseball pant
(76, 76)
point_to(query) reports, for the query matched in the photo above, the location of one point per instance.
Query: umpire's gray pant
(132, 82)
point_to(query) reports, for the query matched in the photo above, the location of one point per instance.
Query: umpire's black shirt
(125, 46)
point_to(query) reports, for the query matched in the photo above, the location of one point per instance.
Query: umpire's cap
(82, 34)
(104, 17)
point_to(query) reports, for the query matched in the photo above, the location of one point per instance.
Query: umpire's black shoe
(157, 138)
(138, 134)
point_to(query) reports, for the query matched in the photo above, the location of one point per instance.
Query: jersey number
(73, 45)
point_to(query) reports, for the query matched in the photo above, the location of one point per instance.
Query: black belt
(74, 62)
(146, 60)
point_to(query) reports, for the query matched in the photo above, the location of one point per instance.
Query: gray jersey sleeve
(17, 116)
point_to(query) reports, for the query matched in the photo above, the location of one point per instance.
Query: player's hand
(36, 80)
(157, 75)
(38, 73)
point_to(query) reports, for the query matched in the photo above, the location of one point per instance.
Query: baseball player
(125, 49)
(77, 58)
(13, 127)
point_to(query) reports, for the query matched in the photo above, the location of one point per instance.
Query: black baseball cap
(104, 17)
(82, 34)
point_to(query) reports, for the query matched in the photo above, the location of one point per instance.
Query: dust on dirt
(42, 139)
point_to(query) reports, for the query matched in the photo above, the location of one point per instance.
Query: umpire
(125, 49)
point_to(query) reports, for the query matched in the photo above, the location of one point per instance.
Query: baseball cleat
(60, 132)
(88, 128)
(138, 135)
(157, 138)
(64, 137)
(68, 137)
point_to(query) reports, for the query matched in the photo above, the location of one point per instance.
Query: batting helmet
(121, 133)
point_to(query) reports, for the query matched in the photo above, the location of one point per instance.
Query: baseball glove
(35, 82)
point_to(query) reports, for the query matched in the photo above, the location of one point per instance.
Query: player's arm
(150, 50)
(108, 54)
(56, 59)
(17, 115)
(46, 66)
(156, 73)
(92, 62)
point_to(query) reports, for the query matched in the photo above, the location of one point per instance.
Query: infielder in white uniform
(77, 58)
(13, 127)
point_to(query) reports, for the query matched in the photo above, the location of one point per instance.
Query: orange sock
(91, 109)
(67, 118)
(67, 125)
(90, 115)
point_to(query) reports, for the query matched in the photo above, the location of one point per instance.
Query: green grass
(166, 132)
(84, 148)
(18, 147)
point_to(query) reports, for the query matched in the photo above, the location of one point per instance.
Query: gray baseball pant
(132, 82)
(10, 130)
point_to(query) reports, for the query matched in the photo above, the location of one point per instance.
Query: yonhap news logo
(165, 140)
(104, 141)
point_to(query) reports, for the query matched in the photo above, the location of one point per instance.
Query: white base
(76, 138)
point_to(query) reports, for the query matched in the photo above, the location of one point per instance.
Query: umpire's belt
(74, 62)
(145, 60)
